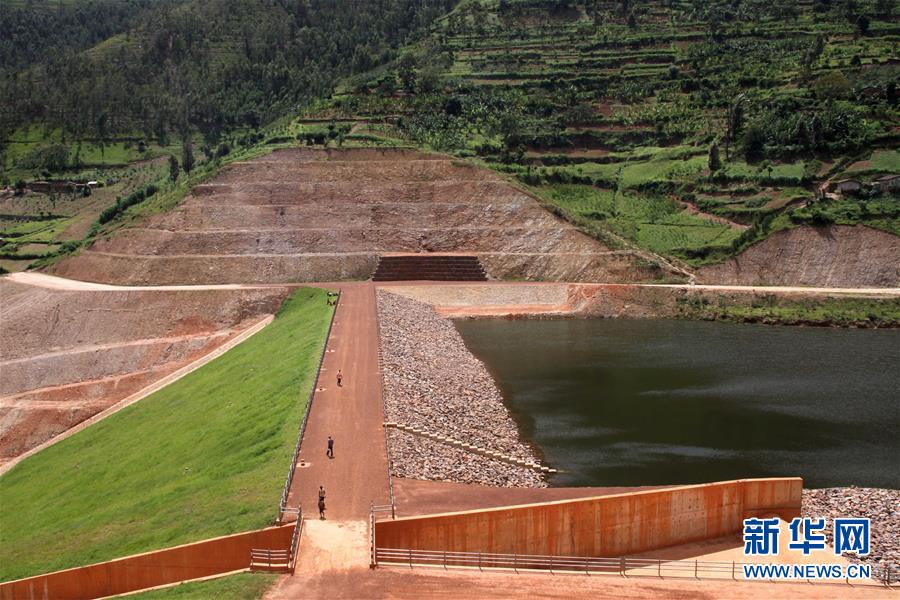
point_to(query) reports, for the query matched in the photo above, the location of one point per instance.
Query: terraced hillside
(307, 215)
(67, 355)
(692, 129)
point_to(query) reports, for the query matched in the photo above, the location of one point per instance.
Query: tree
(815, 132)
(735, 123)
(715, 163)
(862, 24)
(187, 155)
(406, 69)
(102, 130)
(429, 79)
(819, 45)
(801, 134)
(832, 86)
(754, 142)
(174, 167)
(632, 22)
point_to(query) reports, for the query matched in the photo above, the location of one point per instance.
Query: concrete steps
(429, 267)
(492, 454)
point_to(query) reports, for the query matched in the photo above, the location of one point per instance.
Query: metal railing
(373, 562)
(270, 560)
(622, 566)
(295, 540)
(384, 508)
(282, 507)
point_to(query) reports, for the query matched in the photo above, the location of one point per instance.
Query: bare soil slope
(67, 355)
(312, 215)
(836, 256)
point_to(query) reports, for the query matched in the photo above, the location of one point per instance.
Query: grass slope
(203, 457)
(245, 586)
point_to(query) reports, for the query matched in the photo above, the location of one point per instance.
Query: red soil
(838, 256)
(312, 215)
(68, 355)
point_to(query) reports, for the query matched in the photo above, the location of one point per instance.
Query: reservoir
(644, 402)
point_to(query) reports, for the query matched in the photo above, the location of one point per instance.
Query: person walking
(330, 452)
(321, 502)
(340, 377)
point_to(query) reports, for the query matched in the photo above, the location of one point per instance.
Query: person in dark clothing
(340, 377)
(330, 452)
(321, 502)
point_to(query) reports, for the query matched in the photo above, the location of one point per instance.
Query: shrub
(122, 204)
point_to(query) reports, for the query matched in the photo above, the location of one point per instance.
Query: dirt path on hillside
(692, 209)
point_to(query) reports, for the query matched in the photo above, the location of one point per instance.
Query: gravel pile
(879, 505)
(433, 382)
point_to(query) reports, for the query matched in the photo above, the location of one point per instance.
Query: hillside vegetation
(203, 457)
(692, 128)
(146, 72)
(689, 128)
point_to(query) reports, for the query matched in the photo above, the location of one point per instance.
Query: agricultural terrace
(689, 128)
(203, 457)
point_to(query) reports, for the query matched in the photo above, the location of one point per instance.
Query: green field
(203, 457)
(654, 222)
(244, 586)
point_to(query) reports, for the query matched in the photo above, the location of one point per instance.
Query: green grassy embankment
(828, 312)
(203, 457)
(244, 586)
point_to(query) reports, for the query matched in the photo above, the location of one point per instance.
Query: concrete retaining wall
(141, 571)
(606, 526)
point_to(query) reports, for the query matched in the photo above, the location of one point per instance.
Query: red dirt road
(353, 415)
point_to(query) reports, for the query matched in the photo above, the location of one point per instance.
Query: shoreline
(434, 387)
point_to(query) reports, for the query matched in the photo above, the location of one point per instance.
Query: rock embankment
(433, 382)
(879, 505)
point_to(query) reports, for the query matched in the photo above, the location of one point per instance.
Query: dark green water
(637, 402)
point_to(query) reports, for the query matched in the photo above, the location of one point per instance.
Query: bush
(122, 204)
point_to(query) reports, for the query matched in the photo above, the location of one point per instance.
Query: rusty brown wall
(190, 561)
(605, 526)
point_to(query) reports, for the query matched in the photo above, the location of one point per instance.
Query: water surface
(639, 402)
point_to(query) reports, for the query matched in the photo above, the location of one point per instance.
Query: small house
(847, 186)
(888, 183)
